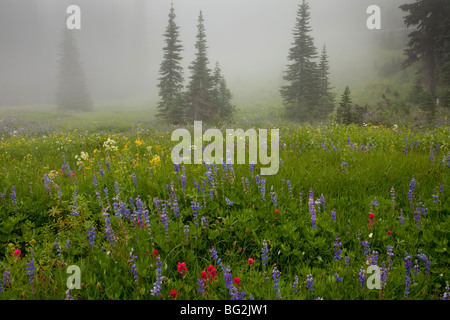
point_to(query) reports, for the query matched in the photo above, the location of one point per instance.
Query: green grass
(349, 166)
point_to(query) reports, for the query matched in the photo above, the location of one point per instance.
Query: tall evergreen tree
(429, 42)
(171, 81)
(199, 88)
(72, 93)
(326, 97)
(300, 95)
(221, 95)
(344, 111)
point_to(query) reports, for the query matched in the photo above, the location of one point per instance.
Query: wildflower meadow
(354, 213)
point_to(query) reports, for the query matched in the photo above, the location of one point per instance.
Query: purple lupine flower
(273, 197)
(362, 277)
(417, 218)
(94, 180)
(446, 295)
(165, 219)
(337, 250)
(236, 295)
(228, 276)
(133, 176)
(347, 260)
(157, 286)
(74, 205)
(262, 188)
(412, 187)
(441, 188)
(322, 202)
(401, 218)
(69, 294)
(174, 206)
(109, 232)
(205, 221)
(374, 257)
(416, 268)
(133, 266)
(264, 254)
(425, 261)
(31, 270)
(14, 197)
(383, 274)
(337, 278)
(68, 244)
(201, 286)
(99, 197)
(183, 183)
(216, 258)
(390, 254)
(375, 202)
(295, 284)
(47, 184)
(392, 191)
(408, 265)
(333, 214)
(365, 245)
(195, 208)
(435, 198)
(91, 234)
(6, 278)
(309, 282)
(289, 189)
(276, 281)
(312, 209)
(229, 202)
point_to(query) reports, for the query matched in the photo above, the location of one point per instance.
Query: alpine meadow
(224, 150)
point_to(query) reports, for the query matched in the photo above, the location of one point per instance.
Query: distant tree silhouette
(200, 84)
(72, 93)
(300, 95)
(344, 111)
(170, 85)
(326, 97)
(221, 95)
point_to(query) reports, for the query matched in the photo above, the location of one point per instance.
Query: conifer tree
(300, 95)
(344, 111)
(429, 42)
(326, 97)
(199, 88)
(72, 94)
(221, 95)
(171, 81)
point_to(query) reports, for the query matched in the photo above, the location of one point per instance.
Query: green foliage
(349, 165)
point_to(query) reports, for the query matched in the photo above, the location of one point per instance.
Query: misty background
(121, 41)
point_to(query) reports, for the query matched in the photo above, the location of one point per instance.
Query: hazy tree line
(308, 95)
(206, 97)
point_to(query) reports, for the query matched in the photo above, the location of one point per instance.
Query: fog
(120, 43)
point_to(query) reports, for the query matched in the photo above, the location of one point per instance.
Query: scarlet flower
(173, 293)
(182, 268)
(17, 253)
(250, 261)
(371, 216)
(155, 253)
(276, 211)
(389, 232)
(73, 175)
(203, 275)
(237, 281)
